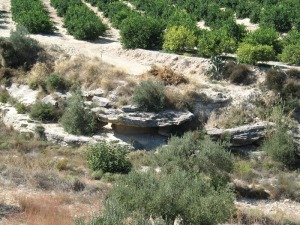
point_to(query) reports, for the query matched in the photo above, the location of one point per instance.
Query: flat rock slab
(143, 119)
(242, 135)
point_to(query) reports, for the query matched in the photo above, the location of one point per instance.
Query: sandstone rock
(23, 93)
(210, 102)
(90, 94)
(101, 102)
(50, 99)
(143, 119)
(129, 108)
(243, 135)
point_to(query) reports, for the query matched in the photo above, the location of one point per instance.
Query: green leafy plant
(32, 15)
(108, 157)
(149, 95)
(141, 32)
(77, 119)
(251, 54)
(57, 82)
(179, 39)
(44, 112)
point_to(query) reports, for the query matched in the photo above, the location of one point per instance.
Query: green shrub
(264, 36)
(149, 95)
(291, 54)
(275, 80)
(179, 39)
(197, 154)
(251, 54)
(141, 32)
(97, 175)
(76, 119)
(280, 146)
(82, 23)
(4, 96)
(57, 83)
(169, 196)
(21, 108)
(216, 42)
(44, 112)
(277, 16)
(19, 49)
(32, 15)
(108, 157)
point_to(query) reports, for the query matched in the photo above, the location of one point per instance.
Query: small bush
(21, 108)
(4, 96)
(57, 83)
(149, 95)
(76, 119)
(293, 74)
(108, 157)
(291, 88)
(97, 175)
(291, 54)
(280, 146)
(167, 75)
(275, 80)
(251, 54)
(240, 75)
(179, 39)
(141, 32)
(44, 112)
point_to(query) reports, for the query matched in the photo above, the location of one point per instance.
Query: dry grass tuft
(181, 97)
(44, 210)
(166, 74)
(90, 72)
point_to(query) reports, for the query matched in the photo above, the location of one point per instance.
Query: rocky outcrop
(53, 132)
(143, 119)
(23, 93)
(210, 102)
(243, 135)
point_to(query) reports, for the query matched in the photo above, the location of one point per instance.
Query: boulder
(90, 94)
(50, 99)
(242, 135)
(130, 108)
(210, 102)
(101, 102)
(143, 119)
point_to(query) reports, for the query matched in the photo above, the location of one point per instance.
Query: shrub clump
(280, 146)
(149, 95)
(77, 119)
(108, 157)
(57, 83)
(251, 54)
(169, 196)
(44, 112)
(19, 49)
(240, 74)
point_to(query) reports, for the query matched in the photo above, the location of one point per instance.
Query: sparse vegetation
(149, 95)
(108, 157)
